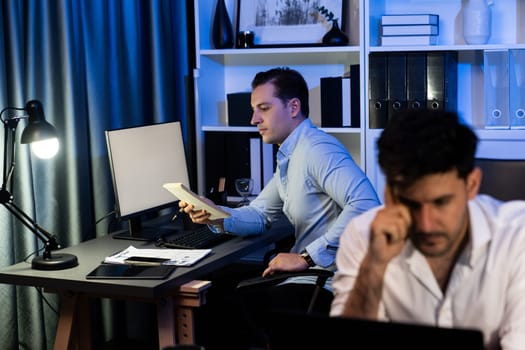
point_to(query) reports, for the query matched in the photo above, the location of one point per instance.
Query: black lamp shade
(37, 128)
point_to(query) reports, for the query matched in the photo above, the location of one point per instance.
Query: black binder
(416, 80)
(355, 96)
(442, 86)
(333, 100)
(377, 103)
(396, 82)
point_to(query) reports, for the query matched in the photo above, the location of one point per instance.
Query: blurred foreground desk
(174, 297)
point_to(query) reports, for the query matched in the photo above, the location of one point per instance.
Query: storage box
(239, 109)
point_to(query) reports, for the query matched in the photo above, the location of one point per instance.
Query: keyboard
(200, 238)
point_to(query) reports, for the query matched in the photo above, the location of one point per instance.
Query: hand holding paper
(183, 193)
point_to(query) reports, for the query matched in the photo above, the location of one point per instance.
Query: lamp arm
(47, 238)
(6, 197)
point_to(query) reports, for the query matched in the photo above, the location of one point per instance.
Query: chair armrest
(322, 276)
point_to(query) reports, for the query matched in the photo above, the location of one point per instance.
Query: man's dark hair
(416, 143)
(288, 84)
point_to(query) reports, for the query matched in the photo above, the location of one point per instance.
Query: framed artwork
(287, 23)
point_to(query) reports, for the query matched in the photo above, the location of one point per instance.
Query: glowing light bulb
(45, 149)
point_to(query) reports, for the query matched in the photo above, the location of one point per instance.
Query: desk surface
(92, 252)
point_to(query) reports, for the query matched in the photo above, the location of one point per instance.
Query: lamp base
(59, 261)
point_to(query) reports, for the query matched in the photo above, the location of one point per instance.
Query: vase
(476, 21)
(335, 35)
(222, 30)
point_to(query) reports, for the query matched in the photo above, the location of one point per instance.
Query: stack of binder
(409, 29)
(504, 88)
(410, 80)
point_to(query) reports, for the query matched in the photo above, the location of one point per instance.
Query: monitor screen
(142, 159)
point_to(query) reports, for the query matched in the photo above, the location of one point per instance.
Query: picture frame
(285, 23)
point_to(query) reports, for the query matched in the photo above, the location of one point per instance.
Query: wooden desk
(174, 297)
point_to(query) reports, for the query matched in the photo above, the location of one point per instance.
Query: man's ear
(295, 106)
(474, 182)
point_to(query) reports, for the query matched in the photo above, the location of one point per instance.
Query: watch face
(308, 259)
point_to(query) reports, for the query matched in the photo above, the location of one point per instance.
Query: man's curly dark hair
(416, 143)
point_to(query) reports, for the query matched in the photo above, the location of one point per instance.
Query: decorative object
(245, 39)
(222, 32)
(244, 187)
(335, 35)
(44, 143)
(477, 21)
(286, 23)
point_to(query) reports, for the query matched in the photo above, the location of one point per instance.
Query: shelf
(447, 47)
(501, 134)
(254, 129)
(300, 55)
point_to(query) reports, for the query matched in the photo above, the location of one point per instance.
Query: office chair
(502, 178)
(285, 245)
(276, 278)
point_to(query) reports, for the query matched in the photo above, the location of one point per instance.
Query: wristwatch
(304, 254)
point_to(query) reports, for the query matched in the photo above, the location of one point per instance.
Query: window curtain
(95, 65)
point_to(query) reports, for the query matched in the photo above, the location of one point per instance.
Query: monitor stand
(137, 232)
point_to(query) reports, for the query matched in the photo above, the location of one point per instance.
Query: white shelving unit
(508, 32)
(219, 72)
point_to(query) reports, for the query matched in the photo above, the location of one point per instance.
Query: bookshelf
(507, 33)
(219, 72)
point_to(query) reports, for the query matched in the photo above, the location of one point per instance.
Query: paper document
(185, 194)
(178, 257)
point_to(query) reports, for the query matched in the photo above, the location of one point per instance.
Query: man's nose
(425, 218)
(256, 119)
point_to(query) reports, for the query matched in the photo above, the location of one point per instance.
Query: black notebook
(124, 271)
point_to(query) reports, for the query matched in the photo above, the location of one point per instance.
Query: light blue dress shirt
(319, 188)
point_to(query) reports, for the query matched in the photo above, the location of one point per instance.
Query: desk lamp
(44, 143)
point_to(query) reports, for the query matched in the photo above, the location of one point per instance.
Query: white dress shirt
(486, 290)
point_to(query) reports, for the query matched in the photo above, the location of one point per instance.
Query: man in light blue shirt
(317, 184)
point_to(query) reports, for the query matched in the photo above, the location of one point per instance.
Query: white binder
(517, 88)
(496, 76)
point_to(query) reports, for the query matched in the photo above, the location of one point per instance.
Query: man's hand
(388, 233)
(199, 216)
(285, 262)
(389, 230)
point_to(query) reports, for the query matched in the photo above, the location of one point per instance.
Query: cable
(39, 290)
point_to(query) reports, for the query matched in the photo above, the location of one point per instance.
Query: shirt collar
(287, 147)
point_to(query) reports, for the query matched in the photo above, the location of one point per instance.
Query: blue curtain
(95, 65)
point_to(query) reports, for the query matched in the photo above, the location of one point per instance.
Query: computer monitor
(502, 178)
(142, 159)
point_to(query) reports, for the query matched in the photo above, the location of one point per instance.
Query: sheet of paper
(185, 194)
(178, 257)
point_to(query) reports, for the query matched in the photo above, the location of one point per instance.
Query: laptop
(301, 331)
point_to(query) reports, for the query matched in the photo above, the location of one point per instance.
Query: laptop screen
(300, 331)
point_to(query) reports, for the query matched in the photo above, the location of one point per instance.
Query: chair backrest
(502, 178)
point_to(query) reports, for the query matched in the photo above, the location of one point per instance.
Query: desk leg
(74, 324)
(190, 296)
(166, 322)
(185, 330)
(66, 322)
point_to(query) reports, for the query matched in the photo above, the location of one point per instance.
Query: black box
(239, 109)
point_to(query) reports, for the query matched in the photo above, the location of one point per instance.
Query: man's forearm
(366, 295)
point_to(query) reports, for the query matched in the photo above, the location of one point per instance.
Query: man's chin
(432, 248)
